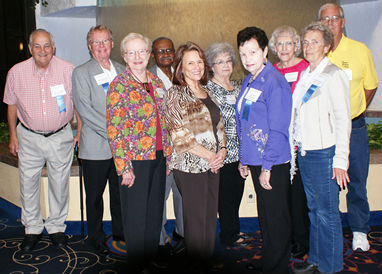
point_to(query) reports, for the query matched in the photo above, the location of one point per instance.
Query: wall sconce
(21, 46)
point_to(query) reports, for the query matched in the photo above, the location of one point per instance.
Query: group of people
(183, 125)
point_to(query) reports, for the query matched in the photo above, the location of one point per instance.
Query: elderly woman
(320, 129)
(285, 44)
(262, 116)
(197, 132)
(139, 142)
(221, 57)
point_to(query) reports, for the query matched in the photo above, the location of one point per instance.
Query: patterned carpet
(78, 257)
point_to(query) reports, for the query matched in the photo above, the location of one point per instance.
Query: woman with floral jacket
(139, 142)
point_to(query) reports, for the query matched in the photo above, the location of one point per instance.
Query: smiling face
(222, 66)
(314, 47)
(163, 53)
(100, 45)
(136, 55)
(192, 66)
(285, 47)
(41, 49)
(252, 56)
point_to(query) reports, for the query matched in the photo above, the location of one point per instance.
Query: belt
(358, 117)
(44, 134)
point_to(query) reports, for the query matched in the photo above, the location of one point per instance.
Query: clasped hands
(216, 162)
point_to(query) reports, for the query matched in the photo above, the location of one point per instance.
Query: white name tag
(349, 73)
(57, 90)
(101, 78)
(253, 94)
(160, 92)
(231, 99)
(291, 76)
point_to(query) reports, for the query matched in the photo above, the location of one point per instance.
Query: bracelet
(223, 147)
(265, 170)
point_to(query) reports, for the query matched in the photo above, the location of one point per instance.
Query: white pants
(34, 151)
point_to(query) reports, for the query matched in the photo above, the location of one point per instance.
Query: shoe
(244, 236)
(360, 242)
(159, 263)
(29, 241)
(178, 248)
(215, 266)
(304, 268)
(102, 249)
(241, 242)
(298, 251)
(165, 250)
(58, 239)
(255, 266)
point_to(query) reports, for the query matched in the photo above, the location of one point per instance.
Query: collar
(48, 71)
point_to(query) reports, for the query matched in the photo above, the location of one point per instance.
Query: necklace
(144, 84)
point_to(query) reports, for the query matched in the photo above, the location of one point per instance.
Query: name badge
(231, 99)
(160, 92)
(349, 73)
(291, 76)
(253, 94)
(57, 90)
(101, 79)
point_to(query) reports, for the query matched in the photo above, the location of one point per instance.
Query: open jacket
(131, 120)
(189, 123)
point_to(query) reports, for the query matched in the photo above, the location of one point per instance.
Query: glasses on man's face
(99, 42)
(222, 63)
(140, 52)
(287, 44)
(334, 19)
(163, 51)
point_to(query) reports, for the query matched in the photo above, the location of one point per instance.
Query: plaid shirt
(30, 90)
(228, 113)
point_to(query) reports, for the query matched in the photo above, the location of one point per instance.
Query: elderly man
(38, 92)
(356, 60)
(90, 83)
(163, 52)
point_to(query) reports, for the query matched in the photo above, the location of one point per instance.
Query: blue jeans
(358, 206)
(322, 194)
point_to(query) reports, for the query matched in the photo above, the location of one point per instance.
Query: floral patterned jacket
(131, 120)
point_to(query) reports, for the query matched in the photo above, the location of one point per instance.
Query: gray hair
(326, 32)
(291, 31)
(218, 48)
(132, 36)
(327, 5)
(40, 31)
(98, 28)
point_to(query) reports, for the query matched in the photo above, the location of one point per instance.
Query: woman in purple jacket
(263, 112)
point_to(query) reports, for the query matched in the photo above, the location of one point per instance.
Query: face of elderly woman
(285, 47)
(136, 54)
(252, 56)
(314, 47)
(222, 66)
(192, 66)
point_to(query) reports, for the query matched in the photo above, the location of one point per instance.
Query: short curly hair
(326, 32)
(218, 48)
(291, 31)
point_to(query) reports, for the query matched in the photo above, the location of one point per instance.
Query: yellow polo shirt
(357, 62)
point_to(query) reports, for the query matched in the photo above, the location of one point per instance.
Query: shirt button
(43, 90)
(44, 113)
(43, 101)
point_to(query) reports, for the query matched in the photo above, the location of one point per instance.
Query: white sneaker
(360, 242)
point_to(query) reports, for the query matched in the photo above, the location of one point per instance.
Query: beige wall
(203, 21)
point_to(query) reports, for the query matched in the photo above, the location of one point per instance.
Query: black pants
(274, 218)
(200, 205)
(142, 208)
(96, 174)
(231, 189)
(299, 212)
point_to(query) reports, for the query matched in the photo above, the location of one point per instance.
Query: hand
(264, 178)
(342, 177)
(13, 145)
(243, 171)
(76, 139)
(128, 179)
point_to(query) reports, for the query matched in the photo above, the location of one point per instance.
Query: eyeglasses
(140, 52)
(313, 43)
(334, 18)
(221, 62)
(99, 42)
(163, 51)
(287, 44)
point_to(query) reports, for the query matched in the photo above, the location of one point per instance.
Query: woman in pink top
(285, 44)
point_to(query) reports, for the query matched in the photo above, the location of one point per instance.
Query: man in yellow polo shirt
(356, 60)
